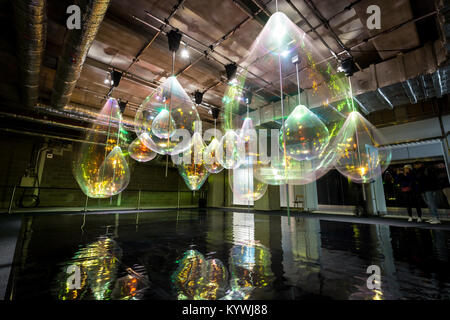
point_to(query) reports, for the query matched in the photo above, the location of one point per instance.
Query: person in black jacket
(409, 190)
(428, 183)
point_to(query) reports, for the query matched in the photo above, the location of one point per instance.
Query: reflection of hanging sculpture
(100, 167)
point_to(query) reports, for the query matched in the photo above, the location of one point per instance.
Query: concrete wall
(157, 190)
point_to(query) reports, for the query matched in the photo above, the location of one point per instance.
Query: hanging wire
(170, 109)
(284, 138)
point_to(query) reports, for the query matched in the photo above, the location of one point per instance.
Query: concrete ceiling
(123, 34)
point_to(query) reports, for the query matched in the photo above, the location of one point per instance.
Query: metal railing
(22, 199)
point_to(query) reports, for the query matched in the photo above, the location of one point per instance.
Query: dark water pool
(217, 254)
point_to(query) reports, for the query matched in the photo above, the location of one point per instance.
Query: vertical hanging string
(107, 138)
(351, 93)
(118, 131)
(248, 169)
(170, 110)
(298, 83)
(356, 136)
(284, 138)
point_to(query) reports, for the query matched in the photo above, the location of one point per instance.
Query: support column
(446, 154)
(270, 200)
(216, 190)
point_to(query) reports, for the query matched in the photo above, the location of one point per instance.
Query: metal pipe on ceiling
(31, 27)
(262, 7)
(75, 49)
(335, 15)
(78, 113)
(49, 122)
(200, 52)
(334, 54)
(247, 11)
(43, 135)
(206, 46)
(221, 40)
(171, 14)
(317, 13)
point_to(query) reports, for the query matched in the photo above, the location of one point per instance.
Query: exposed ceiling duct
(31, 27)
(75, 49)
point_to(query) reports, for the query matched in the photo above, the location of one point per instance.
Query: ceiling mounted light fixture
(198, 97)
(231, 70)
(347, 66)
(174, 38)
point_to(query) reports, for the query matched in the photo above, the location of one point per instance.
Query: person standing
(409, 191)
(428, 182)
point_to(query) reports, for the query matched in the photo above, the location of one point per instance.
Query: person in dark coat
(409, 190)
(428, 184)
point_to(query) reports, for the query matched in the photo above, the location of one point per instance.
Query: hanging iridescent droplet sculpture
(306, 136)
(362, 150)
(168, 118)
(99, 167)
(231, 150)
(140, 152)
(192, 167)
(210, 157)
(313, 108)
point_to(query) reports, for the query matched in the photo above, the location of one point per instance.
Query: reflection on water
(224, 255)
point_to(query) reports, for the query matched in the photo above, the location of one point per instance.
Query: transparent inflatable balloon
(210, 157)
(100, 167)
(231, 150)
(246, 188)
(362, 155)
(168, 118)
(191, 165)
(313, 108)
(305, 135)
(282, 169)
(140, 152)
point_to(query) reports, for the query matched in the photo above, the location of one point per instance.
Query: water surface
(215, 254)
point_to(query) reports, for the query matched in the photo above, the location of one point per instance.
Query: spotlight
(174, 38)
(185, 53)
(247, 97)
(347, 66)
(215, 113)
(122, 105)
(285, 53)
(115, 78)
(295, 59)
(198, 97)
(231, 70)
